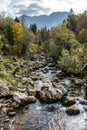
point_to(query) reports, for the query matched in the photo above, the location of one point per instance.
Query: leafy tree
(82, 22)
(18, 32)
(70, 62)
(62, 39)
(82, 36)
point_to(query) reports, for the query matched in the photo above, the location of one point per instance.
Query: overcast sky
(15, 8)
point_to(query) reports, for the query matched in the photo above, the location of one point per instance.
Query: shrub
(70, 62)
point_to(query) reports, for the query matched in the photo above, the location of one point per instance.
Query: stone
(4, 90)
(11, 114)
(69, 101)
(55, 80)
(82, 101)
(45, 71)
(15, 105)
(51, 94)
(73, 110)
(78, 82)
(34, 77)
(51, 65)
(31, 92)
(27, 81)
(23, 98)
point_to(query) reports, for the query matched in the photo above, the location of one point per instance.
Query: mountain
(49, 21)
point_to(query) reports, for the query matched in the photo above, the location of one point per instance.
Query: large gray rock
(23, 98)
(4, 89)
(52, 94)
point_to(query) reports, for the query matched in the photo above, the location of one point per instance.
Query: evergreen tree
(16, 20)
(33, 27)
(72, 24)
(10, 34)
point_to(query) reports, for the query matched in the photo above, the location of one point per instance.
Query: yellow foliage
(18, 32)
(33, 48)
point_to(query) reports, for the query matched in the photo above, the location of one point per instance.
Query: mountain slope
(45, 20)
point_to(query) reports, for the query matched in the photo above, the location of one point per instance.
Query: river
(42, 116)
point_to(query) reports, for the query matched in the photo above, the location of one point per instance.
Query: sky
(13, 8)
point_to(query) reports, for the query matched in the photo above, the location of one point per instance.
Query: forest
(66, 43)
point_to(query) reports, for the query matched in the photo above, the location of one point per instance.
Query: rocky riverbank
(41, 82)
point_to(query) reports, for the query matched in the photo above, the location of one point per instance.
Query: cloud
(4, 4)
(15, 8)
(32, 9)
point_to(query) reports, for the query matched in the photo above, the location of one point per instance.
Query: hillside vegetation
(66, 43)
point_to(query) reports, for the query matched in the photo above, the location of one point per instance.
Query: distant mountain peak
(41, 21)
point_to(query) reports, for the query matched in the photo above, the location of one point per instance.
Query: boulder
(69, 101)
(52, 94)
(4, 90)
(23, 98)
(73, 110)
(78, 81)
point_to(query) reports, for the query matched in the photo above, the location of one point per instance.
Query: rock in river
(69, 101)
(52, 94)
(23, 98)
(73, 110)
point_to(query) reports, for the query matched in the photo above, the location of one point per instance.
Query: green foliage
(81, 22)
(25, 43)
(70, 62)
(10, 34)
(15, 39)
(62, 38)
(82, 36)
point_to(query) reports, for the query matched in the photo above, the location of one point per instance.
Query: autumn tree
(18, 32)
